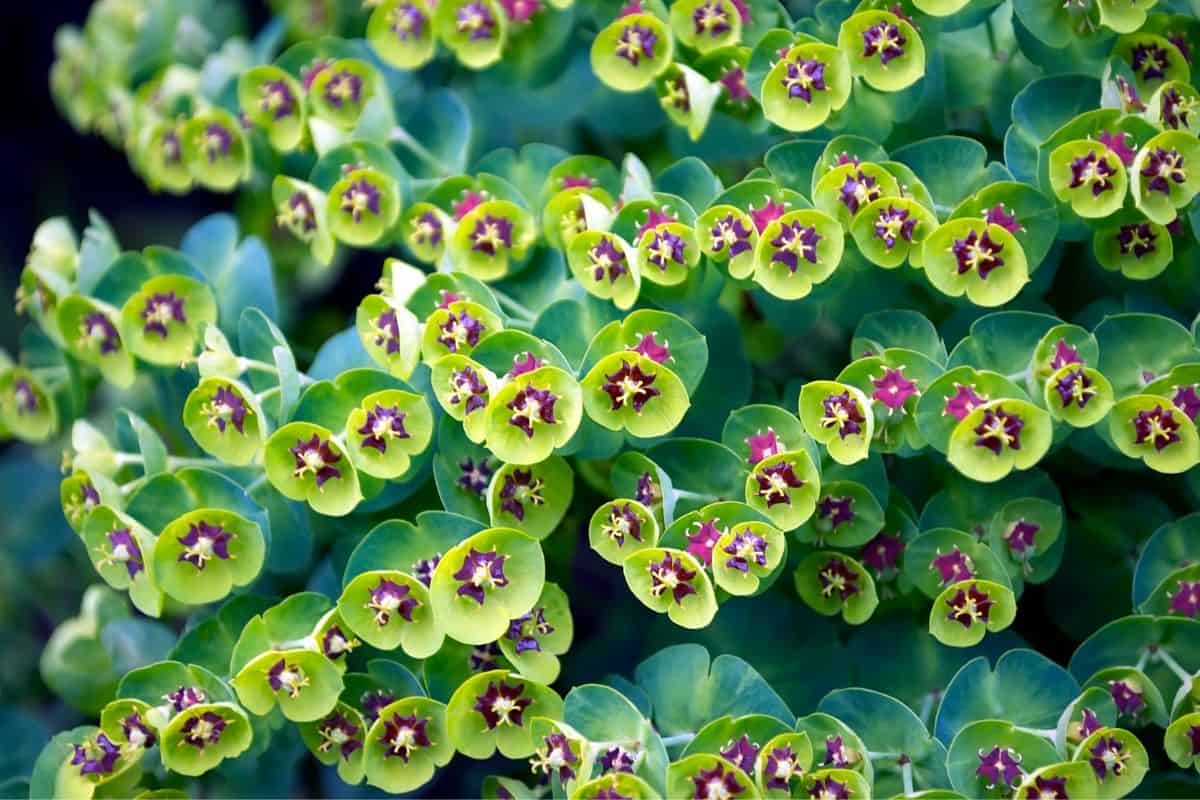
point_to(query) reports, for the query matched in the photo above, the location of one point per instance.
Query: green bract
(386, 430)
(226, 420)
(1088, 176)
(305, 462)
(620, 528)
(805, 86)
(304, 683)
(399, 31)
(215, 150)
(631, 52)
(202, 555)
(984, 262)
(998, 437)
(339, 92)
(1151, 428)
(831, 583)
(475, 30)
(839, 417)
(162, 321)
(628, 391)
(672, 582)
(398, 769)
(796, 251)
(883, 49)
(1162, 176)
(390, 609)
(274, 101)
(532, 499)
(532, 414)
(493, 710)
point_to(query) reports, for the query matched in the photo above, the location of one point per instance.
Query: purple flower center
(1128, 696)
(226, 408)
(711, 19)
(407, 21)
(781, 768)
(315, 457)
(893, 389)
(1020, 536)
(969, 606)
(422, 569)
(474, 475)
(1157, 426)
(894, 224)
(361, 197)
(476, 21)
(744, 549)
(1137, 238)
(730, 233)
(999, 430)
(1193, 734)
(203, 542)
(1150, 60)
(622, 521)
(857, 190)
(804, 77)
(996, 215)
(122, 548)
(387, 332)
(520, 487)
(829, 789)
(838, 579)
(97, 756)
(675, 95)
(664, 248)
(1186, 600)
(203, 729)
(502, 704)
(83, 502)
(160, 311)
(843, 414)
(402, 735)
(999, 766)
(467, 387)
(607, 260)
(884, 40)
(426, 230)
(979, 253)
(388, 598)
(716, 784)
(289, 678)
(382, 425)
(616, 759)
(297, 215)
(491, 234)
(343, 87)
(335, 644)
(531, 406)
(952, 567)
(276, 98)
(525, 629)
(1163, 167)
(1108, 757)
(97, 331)
(883, 552)
(1047, 789)
(635, 43)
(136, 732)
(836, 510)
(776, 481)
(555, 755)
(459, 330)
(185, 697)
(480, 572)
(1176, 109)
(794, 242)
(338, 731)
(1075, 387)
(629, 386)
(669, 575)
(215, 141)
(1093, 170)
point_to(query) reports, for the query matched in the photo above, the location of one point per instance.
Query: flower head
(670, 575)
(226, 408)
(729, 233)
(836, 510)
(768, 213)
(531, 406)
(525, 363)
(203, 729)
(716, 784)
(474, 476)
(480, 571)
(775, 481)
(525, 629)
(857, 190)
(763, 445)
(335, 644)
(842, 413)
(1109, 757)
(287, 677)
(96, 756)
(608, 260)
(427, 230)
(656, 352)
(969, 606)
(964, 400)
(1000, 766)
(502, 704)
(1047, 789)
(795, 241)
(666, 247)
(491, 234)
(25, 396)
(1157, 426)
(1186, 599)
(422, 569)
(361, 197)
(1020, 536)
(387, 332)
(520, 487)
(885, 40)
(998, 430)
(894, 225)
(636, 43)
(403, 735)
(555, 755)
(315, 456)
(892, 389)
(1118, 144)
(136, 732)
(121, 548)
(185, 697)
(1162, 168)
(203, 542)
(389, 597)
(782, 766)
(1092, 170)
(468, 387)
(161, 310)
(1176, 109)
(882, 553)
(616, 759)
(702, 540)
(803, 77)
(979, 253)
(383, 423)
(829, 789)
(215, 141)
(1137, 238)
(711, 19)
(460, 329)
(98, 332)
(997, 215)
(622, 521)
(838, 579)
(521, 11)
(1128, 696)
(630, 386)
(338, 731)
(733, 81)
(374, 702)
(276, 98)
(648, 492)
(406, 21)
(952, 567)
(1150, 60)
(343, 87)
(744, 549)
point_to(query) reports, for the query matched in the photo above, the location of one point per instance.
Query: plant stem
(906, 775)
(882, 756)
(1162, 656)
(263, 366)
(255, 484)
(679, 738)
(1045, 733)
(683, 494)
(513, 308)
(402, 137)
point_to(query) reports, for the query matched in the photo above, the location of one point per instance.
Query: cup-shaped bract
(225, 419)
(162, 321)
(80, 494)
(708, 773)
(27, 410)
(833, 583)
(273, 101)
(215, 150)
(337, 740)
(492, 236)
(673, 582)
(1070, 778)
(725, 233)
(339, 92)
(305, 462)
(1175, 106)
(389, 609)
(401, 32)
(457, 327)
(883, 49)
(91, 331)
(1118, 759)
(1078, 395)
(666, 252)
(1182, 738)
(1165, 175)
(201, 736)
(706, 25)
(423, 228)
(796, 251)
(784, 487)
(476, 30)
(850, 186)
(463, 387)
(1153, 60)
(532, 414)
(847, 515)
(606, 266)
(1124, 17)
(533, 498)
(390, 334)
(838, 416)
(535, 640)
(998, 437)
(632, 51)
(1155, 430)
(304, 683)
(160, 156)
(1025, 529)
(1139, 250)
(485, 582)
(803, 88)
(387, 430)
(620, 784)
(966, 611)
(629, 391)
(406, 743)
(202, 555)
(121, 550)
(300, 210)
(620, 528)
(782, 762)
(972, 257)
(747, 554)
(493, 711)
(363, 207)
(568, 211)
(1089, 176)
(890, 228)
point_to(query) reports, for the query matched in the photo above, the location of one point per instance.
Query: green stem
(1045, 733)
(402, 137)
(1163, 657)
(253, 485)
(683, 494)
(906, 775)
(263, 366)
(679, 738)
(513, 308)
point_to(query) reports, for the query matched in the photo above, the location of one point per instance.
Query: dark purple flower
(530, 406)
(98, 330)
(635, 43)
(952, 567)
(770, 211)
(730, 233)
(646, 346)
(1092, 170)
(670, 575)
(423, 568)
(1075, 387)
(629, 386)
(216, 141)
(476, 20)
(460, 330)
(893, 389)
(795, 241)
(1108, 757)
(161, 310)
(338, 731)
(775, 481)
(894, 224)
(675, 95)
(389, 597)
(781, 767)
(882, 552)
(374, 702)
(525, 363)
(1157, 426)
(1150, 60)
(185, 697)
(1175, 108)
(964, 400)
(491, 234)
(803, 78)
(203, 729)
(664, 248)
(647, 492)
(502, 704)
(1137, 238)
(343, 87)
(25, 396)
(996, 215)
(520, 487)
(741, 753)
(381, 425)
(361, 196)
(998, 430)
(474, 476)
(276, 98)
(1163, 167)
(969, 606)
(616, 759)
(226, 408)
(1021, 535)
(407, 21)
(837, 578)
(702, 540)
(1193, 734)
(1118, 146)
(525, 629)
(483, 657)
(1127, 695)
(829, 788)
(608, 260)
(387, 332)
(402, 735)
(1089, 723)
(858, 190)
(426, 230)
(733, 81)
(288, 677)
(480, 571)
(716, 784)
(999, 766)
(622, 521)
(137, 732)
(842, 412)
(468, 387)
(763, 445)
(746, 548)
(555, 755)
(710, 18)
(885, 40)
(315, 456)
(979, 253)
(122, 548)
(1186, 600)
(837, 510)
(837, 754)
(97, 756)
(203, 542)
(335, 644)
(1047, 789)
(521, 11)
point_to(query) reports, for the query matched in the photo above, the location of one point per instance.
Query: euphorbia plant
(857, 343)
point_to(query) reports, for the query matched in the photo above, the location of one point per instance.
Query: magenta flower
(1118, 144)
(1000, 766)
(770, 211)
(711, 19)
(1186, 599)
(226, 408)
(646, 346)
(893, 389)
(98, 330)
(763, 445)
(964, 400)
(952, 567)
(997, 215)
(702, 540)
